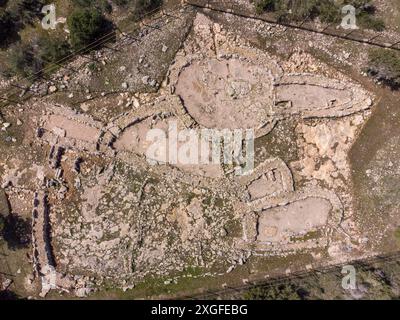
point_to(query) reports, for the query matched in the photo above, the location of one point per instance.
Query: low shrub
(102, 5)
(384, 66)
(7, 27)
(327, 10)
(86, 26)
(368, 21)
(52, 49)
(23, 61)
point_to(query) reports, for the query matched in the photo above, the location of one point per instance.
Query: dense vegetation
(16, 14)
(7, 29)
(89, 23)
(286, 291)
(326, 10)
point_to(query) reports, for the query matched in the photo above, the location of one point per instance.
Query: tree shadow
(9, 295)
(15, 16)
(9, 30)
(17, 232)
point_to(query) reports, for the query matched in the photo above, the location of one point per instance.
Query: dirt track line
(301, 26)
(267, 283)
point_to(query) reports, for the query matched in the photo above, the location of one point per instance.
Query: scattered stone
(85, 107)
(59, 132)
(126, 288)
(224, 233)
(52, 89)
(230, 269)
(77, 183)
(146, 79)
(136, 103)
(83, 292)
(62, 192)
(6, 284)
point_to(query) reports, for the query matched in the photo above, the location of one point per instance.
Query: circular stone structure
(226, 94)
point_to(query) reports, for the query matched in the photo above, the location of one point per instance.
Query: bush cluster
(14, 15)
(300, 9)
(327, 10)
(86, 23)
(384, 66)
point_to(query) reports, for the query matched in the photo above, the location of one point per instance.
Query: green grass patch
(397, 234)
